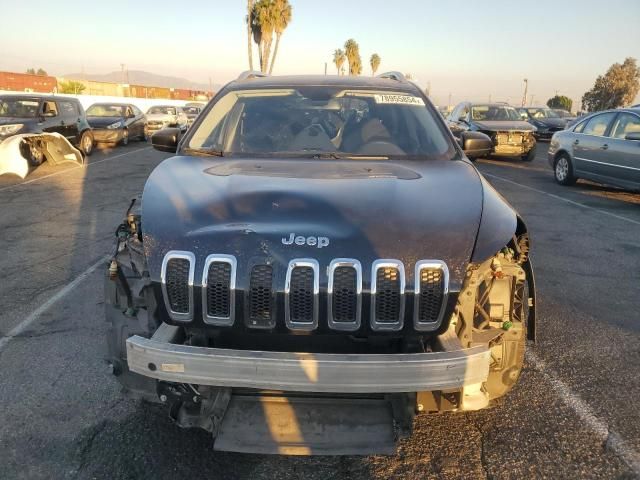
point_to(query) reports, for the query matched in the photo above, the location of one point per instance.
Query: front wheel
(531, 154)
(86, 143)
(125, 137)
(563, 170)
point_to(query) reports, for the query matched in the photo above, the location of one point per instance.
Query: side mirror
(166, 140)
(476, 144)
(633, 136)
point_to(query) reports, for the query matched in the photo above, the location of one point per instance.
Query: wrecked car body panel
(15, 152)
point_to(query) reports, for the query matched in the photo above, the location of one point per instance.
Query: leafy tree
(282, 18)
(375, 63)
(40, 71)
(561, 102)
(339, 59)
(616, 88)
(71, 86)
(352, 51)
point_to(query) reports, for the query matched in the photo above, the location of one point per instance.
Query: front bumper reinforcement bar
(158, 358)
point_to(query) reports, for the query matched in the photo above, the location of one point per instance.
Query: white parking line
(8, 187)
(24, 324)
(612, 440)
(558, 197)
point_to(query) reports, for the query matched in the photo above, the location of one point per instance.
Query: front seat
(372, 129)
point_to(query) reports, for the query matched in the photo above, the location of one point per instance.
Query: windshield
(493, 112)
(542, 113)
(19, 107)
(162, 111)
(316, 120)
(191, 110)
(562, 113)
(105, 110)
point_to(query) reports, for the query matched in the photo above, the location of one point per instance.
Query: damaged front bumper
(15, 151)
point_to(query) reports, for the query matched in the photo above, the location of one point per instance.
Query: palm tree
(264, 24)
(375, 63)
(352, 51)
(338, 59)
(282, 12)
(249, 32)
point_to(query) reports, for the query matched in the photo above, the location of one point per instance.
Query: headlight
(10, 129)
(115, 125)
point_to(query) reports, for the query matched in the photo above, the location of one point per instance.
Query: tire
(86, 143)
(36, 155)
(125, 138)
(531, 155)
(145, 135)
(563, 170)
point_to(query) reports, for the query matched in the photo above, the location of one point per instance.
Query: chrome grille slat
(176, 278)
(218, 290)
(431, 291)
(387, 295)
(344, 294)
(301, 289)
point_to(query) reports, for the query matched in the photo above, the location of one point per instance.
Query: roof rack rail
(246, 75)
(397, 76)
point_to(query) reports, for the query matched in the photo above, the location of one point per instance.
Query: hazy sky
(469, 49)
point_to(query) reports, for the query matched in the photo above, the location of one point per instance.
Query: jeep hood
(504, 125)
(368, 210)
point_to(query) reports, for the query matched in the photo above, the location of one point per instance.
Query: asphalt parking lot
(574, 413)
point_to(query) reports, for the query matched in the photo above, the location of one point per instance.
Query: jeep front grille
(218, 289)
(302, 286)
(344, 293)
(260, 297)
(177, 284)
(387, 295)
(431, 289)
(301, 303)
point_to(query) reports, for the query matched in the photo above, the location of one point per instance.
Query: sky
(463, 49)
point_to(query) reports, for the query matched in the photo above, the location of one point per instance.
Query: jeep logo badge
(317, 242)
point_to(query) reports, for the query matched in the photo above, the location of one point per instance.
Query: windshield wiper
(209, 152)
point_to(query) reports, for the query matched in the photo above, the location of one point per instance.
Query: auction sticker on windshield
(399, 100)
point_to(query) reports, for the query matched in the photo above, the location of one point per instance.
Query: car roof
(39, 96)
(339, 81)
(115, 104)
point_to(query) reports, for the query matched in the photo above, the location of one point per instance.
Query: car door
(132, 122)
(52, 121)
(71, 118)
(591, 144)
(623, 156)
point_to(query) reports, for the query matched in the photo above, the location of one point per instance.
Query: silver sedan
(603, 147)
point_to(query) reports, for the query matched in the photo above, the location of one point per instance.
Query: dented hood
(366, 210)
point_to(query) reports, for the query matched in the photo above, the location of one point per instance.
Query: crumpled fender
(57, 149)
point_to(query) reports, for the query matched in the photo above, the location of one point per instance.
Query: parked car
(117, 122)
(603, 147)
(161, 116)
(512, 136)
(192, 112)
(546, 120)
(320, 249)
(568, 116)
(28, 114)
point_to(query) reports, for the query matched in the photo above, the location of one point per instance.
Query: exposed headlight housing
(115, 125)
(10, 129)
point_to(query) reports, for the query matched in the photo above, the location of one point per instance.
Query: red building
(25, 82)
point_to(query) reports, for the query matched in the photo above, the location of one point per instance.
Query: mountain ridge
(141, 77)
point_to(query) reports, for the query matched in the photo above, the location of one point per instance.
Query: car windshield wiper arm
(204, 151)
